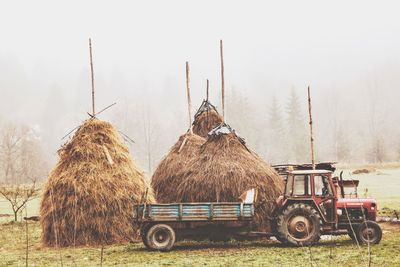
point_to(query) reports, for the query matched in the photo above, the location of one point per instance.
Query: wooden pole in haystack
(92, 77)
(311, 129)
(208, 85)
(222, 78)
(188, 97)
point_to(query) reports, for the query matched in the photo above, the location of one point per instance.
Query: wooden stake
(101, 254)
(27, 238)
(208, 85)
(188, 97)
(92, 77)
(222, 78)
(311, 129)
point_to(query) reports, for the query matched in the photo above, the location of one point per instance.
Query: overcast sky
(140, 49)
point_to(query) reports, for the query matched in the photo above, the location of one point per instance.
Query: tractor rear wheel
(369, 232)
(299, 224)
(160, 237)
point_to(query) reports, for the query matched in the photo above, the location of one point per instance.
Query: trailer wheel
(160, 237)
(369, 232)
(299, 224)
(143, 231)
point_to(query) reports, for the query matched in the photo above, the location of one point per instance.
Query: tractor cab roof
(309, 172)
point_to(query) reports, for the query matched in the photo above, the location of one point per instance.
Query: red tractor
(311, 207)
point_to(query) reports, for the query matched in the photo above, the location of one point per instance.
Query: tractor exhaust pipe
(341, 184)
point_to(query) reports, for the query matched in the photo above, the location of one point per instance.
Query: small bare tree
(19, 195)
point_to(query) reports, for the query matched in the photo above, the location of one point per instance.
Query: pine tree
(240, 115)
(297, 131)
(276, 150)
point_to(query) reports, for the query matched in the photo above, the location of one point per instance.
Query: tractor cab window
(298, 185)
(321, 186)
(289, 185)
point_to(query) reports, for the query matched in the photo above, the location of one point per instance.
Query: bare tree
(377, 150)
(151, 138)
(19, 195)
(21, 165)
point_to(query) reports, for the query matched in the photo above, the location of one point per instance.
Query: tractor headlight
(339, 212)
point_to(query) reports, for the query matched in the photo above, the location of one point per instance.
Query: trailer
(163, 224)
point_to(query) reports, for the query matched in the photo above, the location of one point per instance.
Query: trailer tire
(143, 231)
(369, 232)
(299, 224)
(160, 237)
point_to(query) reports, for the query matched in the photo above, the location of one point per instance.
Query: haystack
(206, 119)
(224, 169)
(88, 197)
(170, 171)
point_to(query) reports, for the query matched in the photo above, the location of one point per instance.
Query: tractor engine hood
(368, 203)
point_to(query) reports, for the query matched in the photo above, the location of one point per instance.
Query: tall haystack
(224, 169)
(206, 119)
(170, 171)
(88, 197)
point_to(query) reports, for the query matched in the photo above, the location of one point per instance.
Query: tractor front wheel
(369, 232)
(299, 224)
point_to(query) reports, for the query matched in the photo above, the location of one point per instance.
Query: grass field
(332, 251)
(335, 251)
(383, 185)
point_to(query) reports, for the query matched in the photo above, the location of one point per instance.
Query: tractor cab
(315, 187)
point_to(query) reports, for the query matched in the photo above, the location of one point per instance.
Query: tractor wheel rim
(368, 234)
(160, 238)
(300, 227)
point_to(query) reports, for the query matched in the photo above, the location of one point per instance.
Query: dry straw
(171, 169)
(206, 119)
(169, 173)
(88, 197)
(224, 168)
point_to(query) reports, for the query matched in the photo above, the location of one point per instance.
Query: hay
(170, 171)
(224, 169)
(88, 197)
(206, 119)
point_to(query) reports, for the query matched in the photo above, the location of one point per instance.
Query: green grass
(335, 251)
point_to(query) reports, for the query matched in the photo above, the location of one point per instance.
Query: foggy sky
(348, 51)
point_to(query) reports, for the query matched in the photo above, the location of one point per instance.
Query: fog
(347, 51)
